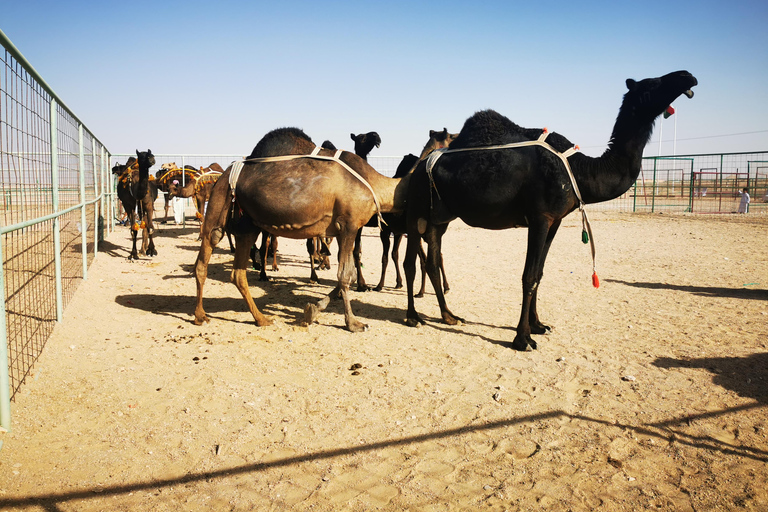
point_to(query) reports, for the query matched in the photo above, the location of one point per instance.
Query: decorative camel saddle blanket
(435, 155)
(237, 167)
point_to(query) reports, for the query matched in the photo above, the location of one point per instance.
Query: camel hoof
(200, 320)
(357, 326)
(522, 343)
(418, 295)
(363, 288)
(311, 311)
(264, 322)
(540, 329)
(450, 319)
(414, 320)
(398, 286)
(378, 288)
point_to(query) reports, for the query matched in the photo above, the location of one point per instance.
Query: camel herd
(493, 174)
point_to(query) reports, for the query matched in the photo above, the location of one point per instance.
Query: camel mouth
(689, 93)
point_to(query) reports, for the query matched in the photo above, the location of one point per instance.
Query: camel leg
(396, 260)
(325, 252)
(357, 252)
(538, 231)
(312, 250)
(229, 238)
(263, 255)
(201, 273)
(134, 234)
(384, 236)
(200, 206)
(213, 231)
(412, 318)
(273, 247)
(346, 272)
(150, 228)
(239, 275)
(446, 288)
(533, 317)
(434, 237)
(423, 260)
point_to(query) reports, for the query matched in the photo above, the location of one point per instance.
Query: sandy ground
(649, 394)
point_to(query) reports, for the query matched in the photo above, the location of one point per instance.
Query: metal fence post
(5, 379)
(95, 162)
(55, 201)
(183, 201)
(81, 175)
(653, 195)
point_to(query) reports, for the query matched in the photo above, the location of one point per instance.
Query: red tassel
(595, 280)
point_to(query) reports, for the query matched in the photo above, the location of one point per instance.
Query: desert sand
(650, 392)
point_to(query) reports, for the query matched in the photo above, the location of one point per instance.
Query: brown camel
(395, 222)
(199, 188)
(498, 188)
(169, 173)
(138, 197)
(299, 198)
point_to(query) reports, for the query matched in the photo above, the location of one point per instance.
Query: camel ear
(432, 133)
(137, 152)
(631, 84)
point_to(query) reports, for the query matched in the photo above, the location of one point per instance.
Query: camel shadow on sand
(746, 376)
(110, 249)
(286, 302)
(704, 291)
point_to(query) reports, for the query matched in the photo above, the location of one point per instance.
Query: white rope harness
(237, 167)
(541, 141)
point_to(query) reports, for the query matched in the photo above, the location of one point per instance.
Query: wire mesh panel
(25, 177)
(50, 170)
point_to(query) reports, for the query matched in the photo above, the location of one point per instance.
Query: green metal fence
(55, 186)
(710, 183)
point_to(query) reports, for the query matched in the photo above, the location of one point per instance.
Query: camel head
(365, 142)
(174, 188)
(437, 140)
(120, 169)
(649, 98)
(145, 158)
(168, 166)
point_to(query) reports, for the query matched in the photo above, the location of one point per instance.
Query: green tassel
(584, 236)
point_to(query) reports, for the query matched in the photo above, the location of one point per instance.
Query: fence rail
(55, 184)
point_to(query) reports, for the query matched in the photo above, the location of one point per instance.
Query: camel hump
(489, 128)
(283, 141)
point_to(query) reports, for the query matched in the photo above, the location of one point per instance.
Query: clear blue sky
(214, 77)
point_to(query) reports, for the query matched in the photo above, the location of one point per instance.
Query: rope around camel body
(237, 167)
(541, 141)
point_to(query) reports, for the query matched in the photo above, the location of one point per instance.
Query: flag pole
(661, 131)
(674, 140)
